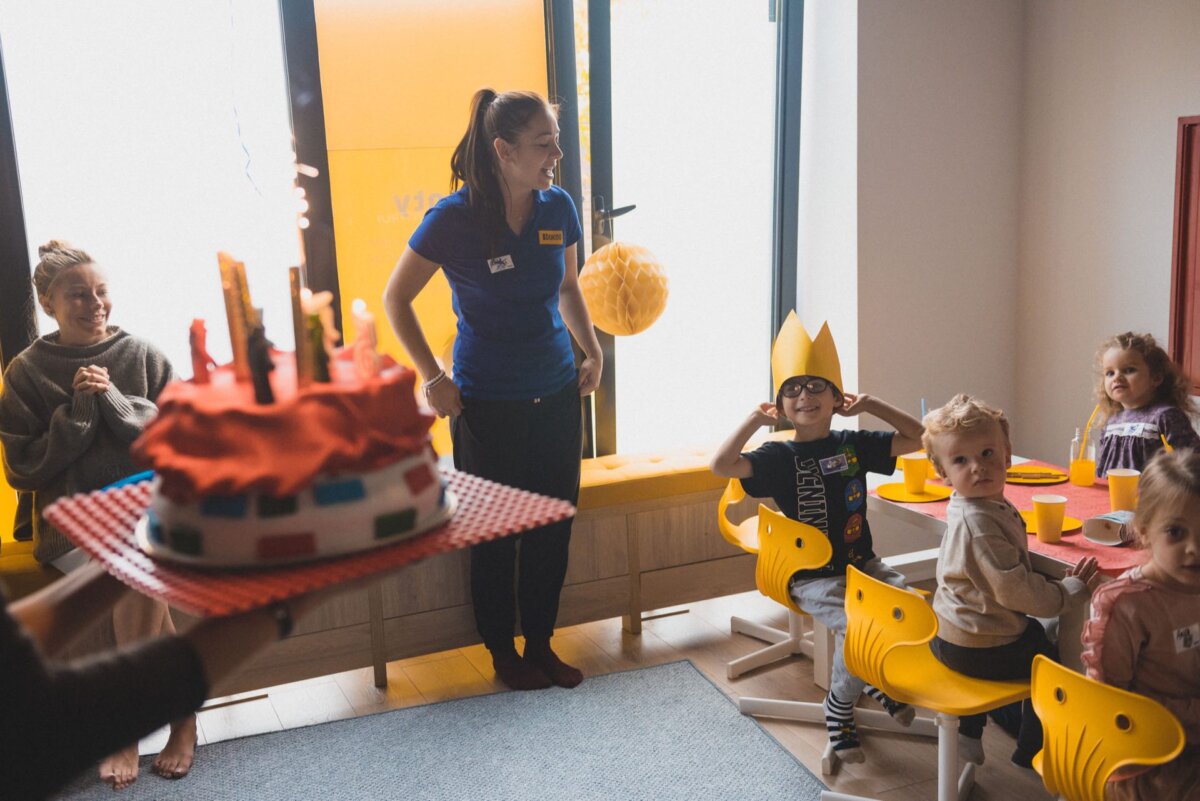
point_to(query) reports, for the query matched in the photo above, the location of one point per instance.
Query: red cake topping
(213, 439)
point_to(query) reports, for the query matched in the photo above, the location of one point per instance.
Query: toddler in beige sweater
(987, 590)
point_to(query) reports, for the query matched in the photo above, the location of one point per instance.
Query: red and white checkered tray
(102, 523)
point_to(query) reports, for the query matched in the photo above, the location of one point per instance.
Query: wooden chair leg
(378, 642)
(632, 622)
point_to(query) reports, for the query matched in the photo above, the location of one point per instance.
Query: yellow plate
(1069, 523)
(1058, 477)
(897, 492)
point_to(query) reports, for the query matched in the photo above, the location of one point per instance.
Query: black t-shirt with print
(823, 483)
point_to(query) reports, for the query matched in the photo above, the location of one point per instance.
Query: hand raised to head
(852, 404)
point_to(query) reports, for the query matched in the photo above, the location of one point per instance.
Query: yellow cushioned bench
(617, 479)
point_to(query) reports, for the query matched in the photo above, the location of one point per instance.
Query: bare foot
(121, 769)
(175, 760)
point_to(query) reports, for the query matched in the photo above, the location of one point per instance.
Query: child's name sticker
(834, 464)
(1140, 430)
(550, 237)
(500, 264)
(1187, 638)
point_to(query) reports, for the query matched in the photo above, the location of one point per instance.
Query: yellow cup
(916, 470)
(1048, 513)
(1122, 489)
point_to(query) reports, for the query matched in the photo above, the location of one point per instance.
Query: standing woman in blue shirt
(507, 243)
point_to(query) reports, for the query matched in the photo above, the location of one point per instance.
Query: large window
(153, 135)
(693, 146)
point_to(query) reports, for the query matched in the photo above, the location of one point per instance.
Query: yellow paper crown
(796, 353)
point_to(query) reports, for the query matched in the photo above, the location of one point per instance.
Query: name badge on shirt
(500, 264)
(550, 237)
(1142, 430)
(1187, 638)
(834, 464)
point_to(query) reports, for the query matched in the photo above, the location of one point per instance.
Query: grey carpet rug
(661, 733)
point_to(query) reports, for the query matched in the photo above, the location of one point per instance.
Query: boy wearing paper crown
(819, 478)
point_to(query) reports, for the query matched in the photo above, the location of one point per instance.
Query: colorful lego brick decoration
(276, 507)
(391, 525)
(233, 506)
(418, 478)
(286, 546)
(187, 540)
(332, 492)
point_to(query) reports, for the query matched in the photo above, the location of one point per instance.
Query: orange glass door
(397, 79)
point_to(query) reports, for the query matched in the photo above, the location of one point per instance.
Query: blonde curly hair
(962, 413)
(1176, 387)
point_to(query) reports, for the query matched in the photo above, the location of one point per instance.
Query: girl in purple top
(1145, 400)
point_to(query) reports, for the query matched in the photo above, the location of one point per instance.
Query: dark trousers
(532, 445)
(1001, 663)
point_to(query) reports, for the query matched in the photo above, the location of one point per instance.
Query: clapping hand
(1087, 571)
(91, 380)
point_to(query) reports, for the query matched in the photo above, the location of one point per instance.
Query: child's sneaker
(901, 713)
(970, 749)
(843, 734)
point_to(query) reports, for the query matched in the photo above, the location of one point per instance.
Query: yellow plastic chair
(1092, 729)
(887, 644)
(783, 643)
(784, 547)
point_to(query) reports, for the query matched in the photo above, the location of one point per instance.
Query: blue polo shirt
(512, 343)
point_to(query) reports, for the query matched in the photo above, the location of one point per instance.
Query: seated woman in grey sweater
(72, 404)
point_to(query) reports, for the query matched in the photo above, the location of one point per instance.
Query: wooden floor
(898, 768)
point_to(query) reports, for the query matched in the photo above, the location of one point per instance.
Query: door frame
(1184, 346)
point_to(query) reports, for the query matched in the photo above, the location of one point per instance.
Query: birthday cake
(324, 469)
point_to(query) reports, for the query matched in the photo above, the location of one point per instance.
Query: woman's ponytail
(473, 163)
(471, 156)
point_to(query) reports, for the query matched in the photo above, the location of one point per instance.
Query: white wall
(827, 282)
(1104, 86)
(939, 108)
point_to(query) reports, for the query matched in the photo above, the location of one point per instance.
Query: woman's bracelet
(433, 382)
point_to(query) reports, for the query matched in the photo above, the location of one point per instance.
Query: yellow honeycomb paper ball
(625, 288)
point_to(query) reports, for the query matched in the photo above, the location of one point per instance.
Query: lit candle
(366, 357)
(322, 336)
(304, 362)
(197, 339)
(233, 286)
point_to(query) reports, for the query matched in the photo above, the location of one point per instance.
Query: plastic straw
(1083, 443)
(1166, 445)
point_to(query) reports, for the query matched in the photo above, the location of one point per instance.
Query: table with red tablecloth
(1049, 559)
(1082, 502)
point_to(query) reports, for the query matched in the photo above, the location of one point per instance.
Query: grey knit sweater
(56, 442)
